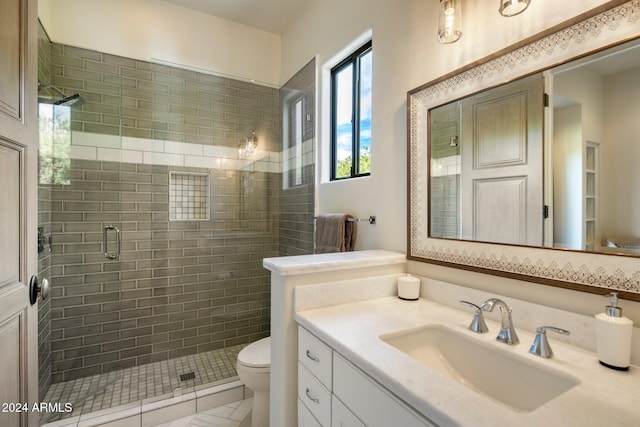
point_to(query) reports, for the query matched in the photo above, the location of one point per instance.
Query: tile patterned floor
(237, 414)
(103, 391)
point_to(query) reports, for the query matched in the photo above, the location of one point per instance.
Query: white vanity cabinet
(314, 380)
(374, 405)
(334, 393)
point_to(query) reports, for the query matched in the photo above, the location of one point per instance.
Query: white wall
(326, 29)
(620, 174)
(44, 12)
(153, 30)
(567, 177)
(406, 55)
(587, 89)
(610, 117)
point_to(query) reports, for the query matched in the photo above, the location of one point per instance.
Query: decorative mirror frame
(610, 24)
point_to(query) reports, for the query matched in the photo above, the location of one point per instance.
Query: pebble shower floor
(129, 385)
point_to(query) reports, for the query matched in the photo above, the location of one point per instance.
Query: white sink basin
(508, 378)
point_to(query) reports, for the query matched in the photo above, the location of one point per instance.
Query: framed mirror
(523, 164)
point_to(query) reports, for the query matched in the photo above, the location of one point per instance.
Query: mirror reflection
(506, 169)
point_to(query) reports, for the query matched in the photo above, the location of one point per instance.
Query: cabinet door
(341, 416)
(305, 418)
(369, 401)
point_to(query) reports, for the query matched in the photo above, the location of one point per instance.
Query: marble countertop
(603, 397)
(304, 264)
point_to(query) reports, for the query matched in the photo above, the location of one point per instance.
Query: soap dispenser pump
(614, 336)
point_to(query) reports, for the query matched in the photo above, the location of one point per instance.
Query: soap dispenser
(614, 336)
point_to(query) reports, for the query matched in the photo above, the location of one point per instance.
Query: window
(351, 115)
(55, 143)
(296, 138)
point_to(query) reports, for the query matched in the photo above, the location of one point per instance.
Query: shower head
(68, 101)
(71, 101)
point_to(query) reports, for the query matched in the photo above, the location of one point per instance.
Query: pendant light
(450, 17)
(513, 7)
(449, 21)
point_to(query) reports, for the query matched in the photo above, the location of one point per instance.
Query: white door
(501, 150)
(18, 212)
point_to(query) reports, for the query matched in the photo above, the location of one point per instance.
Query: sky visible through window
(365, 108)
(344, 108)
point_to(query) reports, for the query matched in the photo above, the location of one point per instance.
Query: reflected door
(18, 232)
(501, 188)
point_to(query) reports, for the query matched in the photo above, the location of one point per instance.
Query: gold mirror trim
(612, 23)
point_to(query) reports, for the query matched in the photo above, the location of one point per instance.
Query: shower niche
(189, 196)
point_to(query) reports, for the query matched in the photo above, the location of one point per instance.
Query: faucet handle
(477, 324)
(540, 346)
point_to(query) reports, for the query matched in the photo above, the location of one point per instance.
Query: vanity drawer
(314, 396)
(316, 356)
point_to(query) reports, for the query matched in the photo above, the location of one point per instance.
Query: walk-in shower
(153, 227)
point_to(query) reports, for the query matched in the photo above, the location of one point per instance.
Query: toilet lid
(257, 354)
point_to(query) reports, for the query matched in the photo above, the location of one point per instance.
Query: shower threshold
(152, 386)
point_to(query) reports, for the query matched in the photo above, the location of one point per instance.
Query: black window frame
(353, 60)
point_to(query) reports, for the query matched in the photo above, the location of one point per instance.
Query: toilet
(254, 370)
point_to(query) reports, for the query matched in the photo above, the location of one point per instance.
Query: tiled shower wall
(297, 201)
(445, 183)
(140, 99)
(179, 287)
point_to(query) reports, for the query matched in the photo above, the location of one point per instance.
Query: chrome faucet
(507, 333)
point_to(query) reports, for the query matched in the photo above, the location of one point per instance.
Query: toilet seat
(257, 355)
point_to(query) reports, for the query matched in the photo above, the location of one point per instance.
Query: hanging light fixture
(248, 146)
(449, 21)
(513, 7)
(449, 17)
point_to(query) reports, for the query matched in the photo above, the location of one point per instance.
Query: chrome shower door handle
(105, 242)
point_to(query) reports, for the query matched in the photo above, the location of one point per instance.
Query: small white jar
(408, 288)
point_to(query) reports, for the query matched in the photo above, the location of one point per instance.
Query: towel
(335, 234)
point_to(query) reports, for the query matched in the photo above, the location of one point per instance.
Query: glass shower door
(80, 237)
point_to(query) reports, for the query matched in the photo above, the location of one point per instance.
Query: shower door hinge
(43, 240)
(105, 242)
